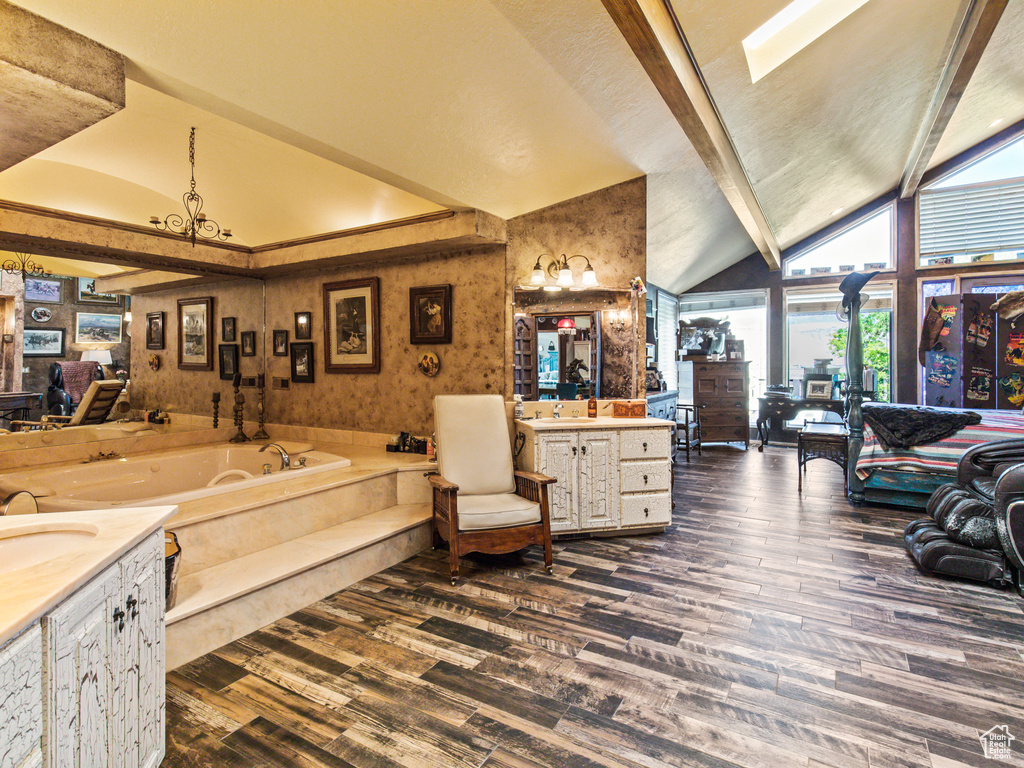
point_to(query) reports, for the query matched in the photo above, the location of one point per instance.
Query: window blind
(976, 219)
(668, 313)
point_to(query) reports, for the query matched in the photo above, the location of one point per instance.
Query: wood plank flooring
(764, 629)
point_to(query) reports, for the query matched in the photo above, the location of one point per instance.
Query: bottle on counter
(519, 410)
(592, 407)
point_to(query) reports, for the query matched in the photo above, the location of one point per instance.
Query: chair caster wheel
(551, 570)
(453, 582)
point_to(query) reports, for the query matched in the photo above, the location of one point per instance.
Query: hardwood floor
(763, 629)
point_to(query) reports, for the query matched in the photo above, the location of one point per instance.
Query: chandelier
(23, 265)
(196, 224)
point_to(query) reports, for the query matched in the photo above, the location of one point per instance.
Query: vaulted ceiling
(318, 117)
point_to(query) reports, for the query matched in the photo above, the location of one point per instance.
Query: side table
(821, 441)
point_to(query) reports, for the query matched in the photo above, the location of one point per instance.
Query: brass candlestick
(239, 437)
(261, 433)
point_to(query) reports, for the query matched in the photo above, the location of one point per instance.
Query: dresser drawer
(644, 444)
(646, 509)
(644, 476)
(723, 434)
(720, 417)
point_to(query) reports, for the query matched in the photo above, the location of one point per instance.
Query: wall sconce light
(617, 319)
(566, 327)
(558, 271)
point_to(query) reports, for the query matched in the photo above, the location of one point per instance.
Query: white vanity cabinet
(611, 473)
(21, 716)
(103, 667)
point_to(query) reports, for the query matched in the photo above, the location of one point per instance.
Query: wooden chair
(481, 504)
(688, 428)
(94, 408)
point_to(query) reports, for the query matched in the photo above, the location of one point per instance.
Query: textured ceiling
(314, 118)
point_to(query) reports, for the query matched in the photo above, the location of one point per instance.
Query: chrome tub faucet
(285, 460)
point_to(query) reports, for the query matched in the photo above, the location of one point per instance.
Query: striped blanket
(940, 457)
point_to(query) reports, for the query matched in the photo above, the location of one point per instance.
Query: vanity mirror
(575, 344)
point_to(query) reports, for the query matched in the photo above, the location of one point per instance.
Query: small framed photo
(430, 315)
(227, 330)
(303, 325)
(44, 342)
(87, 294)
(248, 343)
(351, 326)
(42, 291)
(876, 265)
(280, 343)
(821, 270)
(302, 362)
(91, 327)
(195, 347)
(154, 330)
(734, 350)
(228, 354)
(819, 390)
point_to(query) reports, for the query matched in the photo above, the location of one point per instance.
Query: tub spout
(285, 460)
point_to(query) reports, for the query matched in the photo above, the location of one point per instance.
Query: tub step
(230, 597)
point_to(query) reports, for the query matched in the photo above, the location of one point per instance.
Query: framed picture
(228, 355)
(351, 326)
(39, 290)
(248, 343)
(303, 325)
(227, 329)
(92, 327)
(280, 343)
(734, 350)
(154, 330)
(42, 315)
(302, 362)
(819, 390)
(195, 347)
(430, 315)
(44, 342)
(87, 294)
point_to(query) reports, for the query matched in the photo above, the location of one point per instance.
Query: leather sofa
(975, 528)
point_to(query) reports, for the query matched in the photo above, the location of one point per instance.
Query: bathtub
(164, 477)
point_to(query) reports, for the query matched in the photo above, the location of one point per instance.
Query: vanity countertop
(601, 422)
(100, 538)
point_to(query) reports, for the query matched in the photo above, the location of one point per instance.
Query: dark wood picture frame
(227, 354)
(352, 326)
(734, 350)
(40, 290)
(280, 343)
(303, 361)
(248, 343)
(430, 314)
(89, 295)
(28, 351)
(303, 325)
(154, 330)
(227, 330)
(199, 314)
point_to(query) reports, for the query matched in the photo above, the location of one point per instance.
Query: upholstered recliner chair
(481, 504)
(976, 525)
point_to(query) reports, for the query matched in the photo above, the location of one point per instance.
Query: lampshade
(101, 356)
(589, 276)
(566, 326)
(537, 277)
(564, 276)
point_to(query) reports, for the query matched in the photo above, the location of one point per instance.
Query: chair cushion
(985, 487)
(474, 450)
(495, 510)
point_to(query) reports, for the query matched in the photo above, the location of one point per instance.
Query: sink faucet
(554, 411)
(285, 460)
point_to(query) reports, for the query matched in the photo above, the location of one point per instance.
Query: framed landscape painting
(195, 347)
(92, 327)
(87, 294)
(352, 326)
(44, 342)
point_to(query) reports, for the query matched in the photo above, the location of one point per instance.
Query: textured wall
(399, 397)
(610, 228)
(169, 389)
(12, 311)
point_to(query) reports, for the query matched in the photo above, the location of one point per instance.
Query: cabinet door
(21, 716)
(78, 649)
(558, 458)
(599, 480)
(138, 702)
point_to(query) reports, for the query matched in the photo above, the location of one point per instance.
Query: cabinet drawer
(719, 417)
(644, 476)
(644, 444)
(725, 434)
(646, 509)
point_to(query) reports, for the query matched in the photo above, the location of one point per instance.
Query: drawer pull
(119, 619)
(647, 512)
(583, 450)
(645, 447)
(574, 450)
(645, 479)
(131, 604)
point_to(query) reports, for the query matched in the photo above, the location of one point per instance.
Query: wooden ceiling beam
(654, 34)
(978, 20)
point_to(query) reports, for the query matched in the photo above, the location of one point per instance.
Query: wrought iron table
(821, 441)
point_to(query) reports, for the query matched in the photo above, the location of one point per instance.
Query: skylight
(791, 30)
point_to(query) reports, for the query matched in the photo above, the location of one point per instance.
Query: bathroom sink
(564, 420)
(30, 545)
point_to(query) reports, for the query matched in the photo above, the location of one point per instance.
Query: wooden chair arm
(533, 486)
(535, 477)
(441, 484)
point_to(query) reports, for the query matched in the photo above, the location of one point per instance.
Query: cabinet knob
(645, 446)
(647, 512)
(119, 619)
(645, 479)
(574, 450)
(131, 604)
(583, 450)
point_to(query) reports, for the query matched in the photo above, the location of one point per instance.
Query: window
(814, 332)
(667, 313)
(975, 215)
(865, 245)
